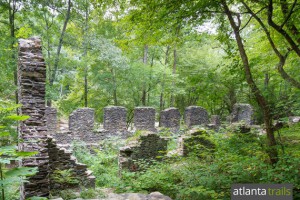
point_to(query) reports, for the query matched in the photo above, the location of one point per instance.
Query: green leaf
(37, 198)
(18, 117)
(21, 172)
(25, 153)
(4, 134)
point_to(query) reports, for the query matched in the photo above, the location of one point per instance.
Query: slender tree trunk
(161, 100)
(280, 29)
(281, 57)
(85, 54)
(114, 87)
(287, 14)
(12, 11)
(272, 150)
(60, 43)
(172, 98)
(145, 60)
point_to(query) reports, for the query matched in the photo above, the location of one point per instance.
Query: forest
(162, 54)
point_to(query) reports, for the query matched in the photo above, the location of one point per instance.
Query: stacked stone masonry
(196, 141)
(61, 160)
(82, 120)
(150, 146)
(51, 119)
(115, 119)
(33, 132)
(170, 118)
(242, 112)
(195, 116)
(144, 118)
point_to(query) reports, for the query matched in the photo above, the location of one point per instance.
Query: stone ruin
(51, 119)
(115, 120)
(144, 118)
(242, 112)
(196, 141)
(170, 118)
(195, 116)
(82, 120)
(215, 122)
(33, 132)
(150, 146)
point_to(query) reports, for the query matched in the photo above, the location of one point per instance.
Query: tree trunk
(55, 66)
(113, 72)
(272, 150)
(145, 60)
(161, 100)
(281, 57)
(172, 98)
(85, 54)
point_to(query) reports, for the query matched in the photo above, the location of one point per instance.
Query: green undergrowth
(237, 158)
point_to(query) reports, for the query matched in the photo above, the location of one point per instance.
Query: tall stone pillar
(144, 118)
(115, 118)
(33, 132)
(195, 116)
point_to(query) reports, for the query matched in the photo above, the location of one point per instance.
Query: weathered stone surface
(137, 196)
(170, 118)
(144, 118)
(195, 115)
(215, 122)
(51, 119)
(294, 119)
(242, 112)
(33, 132)
(82, 120)
(149, 147)
(196, 141)
(60, 159)
(115, 118)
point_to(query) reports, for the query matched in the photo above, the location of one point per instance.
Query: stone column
(170, 118)
(144, 118)
(51, 119)
(33, 132)
(115, 118)
(242, 112)
(81, 120)
(195, 115)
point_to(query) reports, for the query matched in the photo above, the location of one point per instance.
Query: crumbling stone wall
(215, 122)
(81, 120)
(115, 118)
(195, 115)
(197, 142)
(242, 112)
(144, 118)
(61, 159)
(33, 132)
(149, 147)
(51, 119)
(170, 118)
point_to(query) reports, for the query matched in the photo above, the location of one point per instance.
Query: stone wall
(197, 142)
(81, 120)
(170, 118)
(242, 112)
(144, 118)
(195, 115)
(33, 132)
(51, 119)
(115, 119)
(61, 160)
(149, 147)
